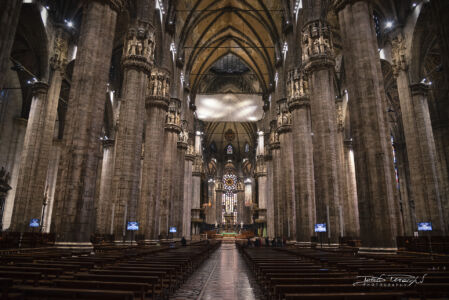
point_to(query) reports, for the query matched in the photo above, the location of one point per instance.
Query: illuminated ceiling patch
(229, 107)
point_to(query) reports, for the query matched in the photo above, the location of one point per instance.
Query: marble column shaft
(350, 205)
(178, 205)
(319, 63)
(187, 213)
(34, 163)
(219, 205)
(74, 212)
(128, 145)
(287, 187)
(270, 203)
(169, 166)
(104, 205)
(304, 176)
(279, 209)
(156, 111)
(421, 154)
(52, 174)
(380, 221)
(9, 18)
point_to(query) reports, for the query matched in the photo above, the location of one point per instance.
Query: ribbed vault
(212, 29)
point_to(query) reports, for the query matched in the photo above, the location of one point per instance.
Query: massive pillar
(169, 167)
(178, 199)
(156, 104)
(278, 208)
(211, 209)
(196, 193)
(38, 142)
(350, 204)
(260, 175)
(137, 58)
(378, 207)
(299, 106)
(9, 18)
(420, 144)
(105, 207)
(270, 185)
(12, 164)
(318, 62)
(187, 207)
(50, 188)
(74, 212)
(284, 130)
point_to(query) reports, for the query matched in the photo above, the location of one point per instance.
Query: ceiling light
(414, 4)
(389, 24)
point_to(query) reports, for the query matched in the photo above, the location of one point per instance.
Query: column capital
(138, 49)
(419, 89)
(317, 46)
(190, 153)
(398, 50)
(39, 88)
(298, 89)
(59, 59)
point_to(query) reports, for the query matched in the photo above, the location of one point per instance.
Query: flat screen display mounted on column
(425, 226)
(34, 223)
(320, 227)
(133, 226)
(173, 229)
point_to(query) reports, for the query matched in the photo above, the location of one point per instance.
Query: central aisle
(223, 276)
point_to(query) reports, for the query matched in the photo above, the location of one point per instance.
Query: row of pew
(122, 273)
(305, 273)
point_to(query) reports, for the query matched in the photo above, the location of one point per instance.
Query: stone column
(219, 201)
(39, 139)
(157, 100)
(318, 62)
(74, 213)
(241, 204)
(50, 187)
(137, 59)
(178, 204)
(33, 165)
(284, 129)
(420, 144)
(380, 220)
(260, 175)
(169, 167)
(12, 163)
(299, 106)
(270, 185)
(9, 18)
(350, 205)
(279, 209)
(187, 213)
(211, 210)
(105, 207)
(196, 194)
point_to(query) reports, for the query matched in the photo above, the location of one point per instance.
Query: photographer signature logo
(389, 280)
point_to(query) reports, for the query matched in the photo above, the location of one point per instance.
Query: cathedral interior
(314, 124)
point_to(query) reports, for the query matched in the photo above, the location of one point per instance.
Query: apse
(229, 107)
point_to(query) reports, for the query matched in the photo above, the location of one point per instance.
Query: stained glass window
(229, 149)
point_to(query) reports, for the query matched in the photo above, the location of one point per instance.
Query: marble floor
(223, 276)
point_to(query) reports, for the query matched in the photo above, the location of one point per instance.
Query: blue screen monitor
(133, 226)
(425, 226)
(34, 223)
(173, 229)
(320, 227)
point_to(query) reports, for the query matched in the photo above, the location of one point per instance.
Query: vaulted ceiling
(211, 29)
